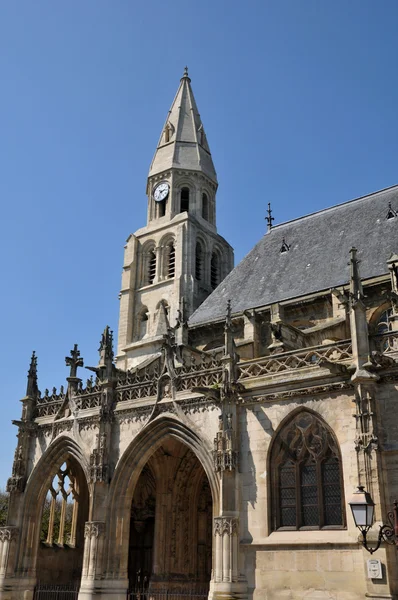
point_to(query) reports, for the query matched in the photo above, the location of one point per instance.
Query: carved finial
(185, 76)
(285, 247)
(356, 291)
(31, 388)
(269, 218)
(74, 361)
(106, 347)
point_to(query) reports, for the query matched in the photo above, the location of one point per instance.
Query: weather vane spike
(269, 218)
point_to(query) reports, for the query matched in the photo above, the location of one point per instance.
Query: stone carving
(225, 457)
(8, 533)
(225, 526)
(98, 467)
(290, 361)
(16, 482)
(94, 529)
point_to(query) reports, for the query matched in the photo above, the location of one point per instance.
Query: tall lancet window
(184, 200)
(59, 518)
(198, 262)
(306, 488)
(205, 207)
(214, 270)
(151, 266)
(170, 259)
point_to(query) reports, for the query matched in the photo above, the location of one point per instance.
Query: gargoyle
(335, 368)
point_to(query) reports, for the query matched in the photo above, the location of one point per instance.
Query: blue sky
(298, 98)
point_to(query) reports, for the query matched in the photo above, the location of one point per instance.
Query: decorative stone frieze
(225, 525)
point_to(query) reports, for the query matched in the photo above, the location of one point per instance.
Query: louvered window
(306, 475)
(214, 271)
(198, 262)
(171, 260)
(151, 266)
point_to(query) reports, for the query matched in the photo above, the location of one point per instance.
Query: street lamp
(362, 507)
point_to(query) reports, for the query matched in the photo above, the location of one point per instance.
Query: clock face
(161, 192)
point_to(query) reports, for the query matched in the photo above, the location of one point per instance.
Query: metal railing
(51, 591)
(185, 593)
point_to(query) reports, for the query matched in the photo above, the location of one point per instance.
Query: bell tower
(173, 263)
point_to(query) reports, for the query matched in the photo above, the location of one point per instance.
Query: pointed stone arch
(126, 477)
(62, 449)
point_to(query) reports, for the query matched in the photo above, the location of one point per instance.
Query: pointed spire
(183, 143)
(32, 388)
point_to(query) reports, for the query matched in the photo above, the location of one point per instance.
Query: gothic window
(205, 207)
(214, 270)
(384, 323)
(170, 259)
(184, 198)
(198, 262)
(59, 517)
(307, 487)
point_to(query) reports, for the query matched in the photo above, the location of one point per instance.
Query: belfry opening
(170, 547)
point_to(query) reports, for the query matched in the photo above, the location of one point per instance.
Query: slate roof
(188, 147)
(318, 256)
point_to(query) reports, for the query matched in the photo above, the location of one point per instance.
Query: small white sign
(375, 570)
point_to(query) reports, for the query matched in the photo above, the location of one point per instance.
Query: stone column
(226, 531)
(92, 558)
(7, 557)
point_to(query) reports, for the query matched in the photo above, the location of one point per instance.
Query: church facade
(212, 455)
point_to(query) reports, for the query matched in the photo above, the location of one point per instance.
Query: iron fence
(50, 591)
(167, 594)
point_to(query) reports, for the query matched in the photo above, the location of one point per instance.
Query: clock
(161, 191)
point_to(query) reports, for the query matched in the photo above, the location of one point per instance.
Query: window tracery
(59, 517)
(384, 323)
(306, 476)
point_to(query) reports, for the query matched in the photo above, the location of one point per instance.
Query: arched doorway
(170, 547)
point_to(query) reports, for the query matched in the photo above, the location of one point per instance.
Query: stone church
(212, 454)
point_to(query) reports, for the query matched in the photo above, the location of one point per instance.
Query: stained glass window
(307, 479)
